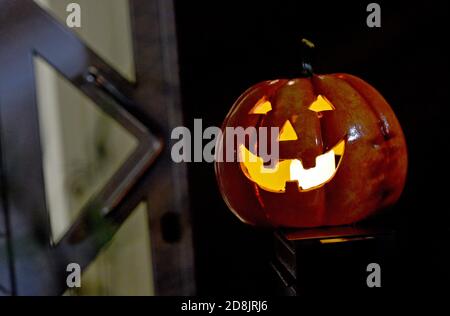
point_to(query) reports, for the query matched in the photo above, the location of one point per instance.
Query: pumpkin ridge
(324, 203)
(385, 131)
(385, 134)
(375, 114)
(270, 95)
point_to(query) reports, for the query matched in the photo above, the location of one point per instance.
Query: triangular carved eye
(287, 132)
(321, 104)
(261, 107)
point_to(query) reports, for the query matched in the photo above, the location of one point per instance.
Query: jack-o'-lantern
(342, 153)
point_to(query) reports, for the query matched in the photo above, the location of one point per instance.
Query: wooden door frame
(147, 108)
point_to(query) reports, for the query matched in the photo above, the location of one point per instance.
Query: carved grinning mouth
(291, 170)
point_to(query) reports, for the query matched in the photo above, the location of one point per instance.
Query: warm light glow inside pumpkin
(291, 170)
(321, 104)
(261, 107)
(287, 132)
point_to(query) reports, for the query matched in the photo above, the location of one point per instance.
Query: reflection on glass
(124, 266)
(82, 146)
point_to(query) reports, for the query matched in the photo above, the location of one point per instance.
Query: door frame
(149, 109)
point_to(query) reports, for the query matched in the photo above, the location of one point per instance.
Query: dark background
(227, 46)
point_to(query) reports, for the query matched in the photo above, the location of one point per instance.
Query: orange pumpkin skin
(370, 177)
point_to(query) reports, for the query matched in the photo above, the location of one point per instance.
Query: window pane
(105, 27)
(82, 146)
(124, 266)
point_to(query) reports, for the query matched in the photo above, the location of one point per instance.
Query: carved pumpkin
(342, 153)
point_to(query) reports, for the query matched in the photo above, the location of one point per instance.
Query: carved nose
(287, 132)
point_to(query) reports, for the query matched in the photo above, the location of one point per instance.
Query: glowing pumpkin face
(342, 153)
(291, 170)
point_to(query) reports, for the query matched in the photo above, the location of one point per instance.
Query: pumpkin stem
(307, 52)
